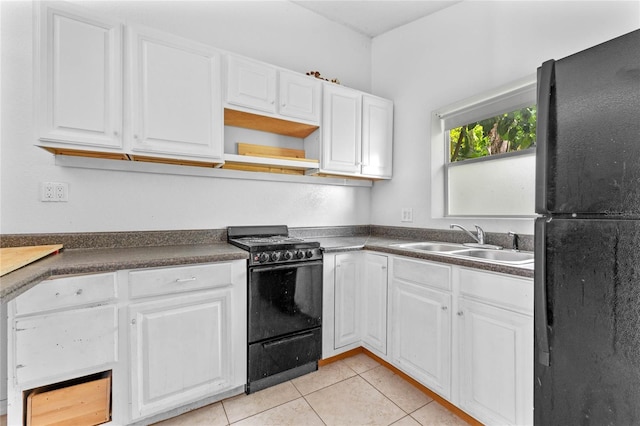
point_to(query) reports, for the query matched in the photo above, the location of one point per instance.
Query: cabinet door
(377, 136)
(251, 84)
(64, 345)
(421, 330)
(80, 78)
(374, 302)
(496, 364)
(175, 96)
(347, 299)
(300, 96)
(341, 129)
(180, 350)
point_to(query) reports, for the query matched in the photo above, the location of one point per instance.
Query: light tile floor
(352, 391)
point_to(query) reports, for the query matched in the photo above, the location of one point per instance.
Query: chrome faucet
(479, 238)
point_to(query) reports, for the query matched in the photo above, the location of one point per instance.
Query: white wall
(465, 50)
(280, 33)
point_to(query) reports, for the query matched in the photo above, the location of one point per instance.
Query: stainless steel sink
(513, 257)
(461, 251)
(432, 246)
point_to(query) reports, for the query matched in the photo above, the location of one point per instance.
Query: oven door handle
(270, 345)
(285, 265)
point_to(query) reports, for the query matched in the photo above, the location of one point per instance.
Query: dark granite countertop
(386, 245)
(93, 260)
(84, 261)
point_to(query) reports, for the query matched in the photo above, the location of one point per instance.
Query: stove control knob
(299, 254)
(288, 255)
(275, 256)
(263, 257)
(309, 254)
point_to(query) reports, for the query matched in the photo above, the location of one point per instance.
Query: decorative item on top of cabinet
(176, 98)
(79, 80)
(317, 74)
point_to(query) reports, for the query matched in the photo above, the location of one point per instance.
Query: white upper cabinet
(299, 96)
(377, 136)
(79, 79)
(357, 133)
(251, 84)
(341, 129)
(257, 87)
(175, 96)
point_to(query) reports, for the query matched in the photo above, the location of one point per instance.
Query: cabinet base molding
(446, 404)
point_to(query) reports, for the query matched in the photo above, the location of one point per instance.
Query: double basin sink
(508, 257)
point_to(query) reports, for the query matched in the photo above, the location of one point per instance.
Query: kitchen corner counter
(386, 245)
(85, 261)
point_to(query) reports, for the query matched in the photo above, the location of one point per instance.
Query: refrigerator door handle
(544, 125)
(540, 288)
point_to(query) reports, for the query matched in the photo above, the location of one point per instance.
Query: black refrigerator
(587, 237)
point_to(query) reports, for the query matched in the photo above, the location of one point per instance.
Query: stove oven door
(284, 299)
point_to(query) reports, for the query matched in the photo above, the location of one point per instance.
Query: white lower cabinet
(61, 329)
(171, 337)
(374, 303)
(464, 333)
(187, 334)
(348, 269)
(421, 322)
(495, 344)
(180, 350)
(354, 303)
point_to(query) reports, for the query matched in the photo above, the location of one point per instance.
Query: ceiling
(374, 17)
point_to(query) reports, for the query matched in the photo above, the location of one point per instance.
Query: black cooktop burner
(266, 238)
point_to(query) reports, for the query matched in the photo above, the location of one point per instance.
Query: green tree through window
(512, 131)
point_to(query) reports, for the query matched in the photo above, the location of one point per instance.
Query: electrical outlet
(406, 215)
(54, 192)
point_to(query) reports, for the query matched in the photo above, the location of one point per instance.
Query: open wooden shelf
(260, 158)
(247, 120)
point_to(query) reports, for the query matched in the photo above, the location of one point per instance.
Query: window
(508, 132)
(486, 153)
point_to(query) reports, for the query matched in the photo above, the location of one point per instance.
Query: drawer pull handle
(79, 292)
(444, 308)
(460, 313)
(185, 280)
(133, 321)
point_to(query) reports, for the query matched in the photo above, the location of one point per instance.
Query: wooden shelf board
(82, 153)
(277, 162)
(247, 120)
(173, 161)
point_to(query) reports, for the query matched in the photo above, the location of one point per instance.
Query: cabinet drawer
(505, 290)
(63, 343)
(67, 292)
(152, 282)
(424, 273)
